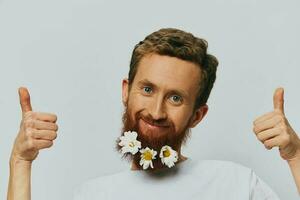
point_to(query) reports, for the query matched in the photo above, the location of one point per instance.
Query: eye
(176, 98)
(147, 89)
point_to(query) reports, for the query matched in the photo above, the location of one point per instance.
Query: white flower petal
(146, 164)
(154, 154)
(129, 142)
(142, 162)
(171, 159)
(133, 135)
(125, 150)
(134, 150)
(170, 164)
(127, 133)
(122, 143)
(151, 164)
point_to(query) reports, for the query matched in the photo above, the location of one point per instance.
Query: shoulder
(222, 166)
(220, 171)
(235, 173)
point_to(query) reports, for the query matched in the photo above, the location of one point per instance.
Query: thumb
(278, 99)
(24, 100)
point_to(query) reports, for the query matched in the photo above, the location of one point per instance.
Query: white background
(72, 55)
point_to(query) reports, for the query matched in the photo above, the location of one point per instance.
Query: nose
(157, 109)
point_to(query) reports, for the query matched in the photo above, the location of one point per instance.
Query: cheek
(180, 118)
(136, 103)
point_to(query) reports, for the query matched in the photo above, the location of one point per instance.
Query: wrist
(15, 160)
(296, 157)
(294, 161)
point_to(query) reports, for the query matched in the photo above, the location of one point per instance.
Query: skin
(273, 130)
(38, 130)
(160, 88)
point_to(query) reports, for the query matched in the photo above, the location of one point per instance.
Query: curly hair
(183, 45)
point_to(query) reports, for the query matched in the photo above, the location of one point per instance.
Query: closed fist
(37, 130)
(274, 130)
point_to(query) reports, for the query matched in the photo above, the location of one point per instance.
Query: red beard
(154, 139)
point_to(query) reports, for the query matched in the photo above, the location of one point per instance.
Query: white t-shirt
(188, 180)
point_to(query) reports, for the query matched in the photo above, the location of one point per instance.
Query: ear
(125, 88)
(198, 115)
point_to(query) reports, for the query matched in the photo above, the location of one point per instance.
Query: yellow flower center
(131, 144)
(166, 153)
(148, 155)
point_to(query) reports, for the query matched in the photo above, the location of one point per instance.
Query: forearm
(295, 169)
(19, 186)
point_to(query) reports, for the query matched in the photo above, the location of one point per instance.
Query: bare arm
(37, 131)
(19, 186)
(295, 169)
(274, 130)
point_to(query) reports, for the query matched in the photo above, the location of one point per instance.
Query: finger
(268, 134)
(24, 100)
(42, 144)
(278, 141)
(44, 134)
(278, 99)
(264, 117)
(47, 117)
(41, 125)
(268, 124)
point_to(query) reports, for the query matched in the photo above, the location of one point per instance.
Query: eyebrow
(149, 83)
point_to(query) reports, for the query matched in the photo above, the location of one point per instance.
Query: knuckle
(284, 128)
(254, 129)
(29, 123)
(259, 137)
(29, 115)
(55, 117)
(280, 117)
(52, 116)
(278, 112)
(29, 132)
(55, 127)
(49, 144)
(54, 135)
(267, 145)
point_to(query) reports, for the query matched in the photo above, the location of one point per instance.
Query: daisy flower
(168, 156)
(147, 155)
(129, 142)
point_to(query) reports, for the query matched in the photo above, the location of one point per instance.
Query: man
(170, 79)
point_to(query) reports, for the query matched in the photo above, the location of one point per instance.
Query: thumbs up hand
(37, 130)
(274, 130)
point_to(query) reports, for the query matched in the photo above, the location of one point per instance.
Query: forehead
(169, 72)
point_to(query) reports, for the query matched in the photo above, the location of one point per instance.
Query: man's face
(161, 99)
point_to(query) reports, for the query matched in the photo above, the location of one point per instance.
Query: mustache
(160, 122)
